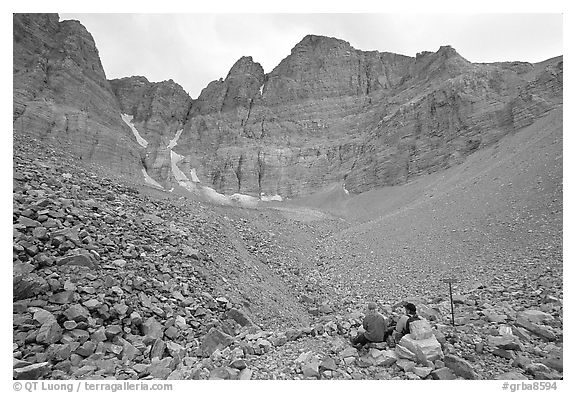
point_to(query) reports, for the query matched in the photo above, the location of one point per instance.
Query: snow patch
(149, 180)
(244, 200)
(175, 158)
(215, 196)
(128, 120)
(269, 198)
(174, 141)
(194, 176)
(261, 89)
(345, 190)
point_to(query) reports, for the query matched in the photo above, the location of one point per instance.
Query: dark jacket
(375, 325)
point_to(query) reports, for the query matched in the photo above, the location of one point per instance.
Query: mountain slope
(497, 215)
(328, 113)
(61, 92)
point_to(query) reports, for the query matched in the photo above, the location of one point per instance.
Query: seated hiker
(403, 325)
(374, 325)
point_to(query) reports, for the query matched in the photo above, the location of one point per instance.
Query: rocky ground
(115, 280)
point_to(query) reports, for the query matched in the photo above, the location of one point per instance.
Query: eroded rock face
(61, 91)
(328, 113)
(158, 111)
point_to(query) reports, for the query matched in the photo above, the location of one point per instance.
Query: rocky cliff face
(61, 91)
(158, 112)
(328, 113)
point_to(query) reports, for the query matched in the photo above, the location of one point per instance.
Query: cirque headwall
(328, 113)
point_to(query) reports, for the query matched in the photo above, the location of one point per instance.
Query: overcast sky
(195, 49)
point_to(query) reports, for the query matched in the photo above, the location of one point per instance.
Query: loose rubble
(109, 283)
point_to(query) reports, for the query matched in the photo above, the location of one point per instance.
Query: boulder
(349, 352)
(27, 286)
(223, 373)
(239, 364)
(511, 375)
(85, 260)
(152, 328)
(213, 340)
(43, 316)
(160, 369)
(365, 361)
(63, 297)
(328, 364)
(522, 362)
(503, 353)
(405, 364)
(539, 330)
(77, 313)
(404, 353)
(429, 313)
(541, 371)
(158, 349)
(443, 373)
(129, 351)
(239, 316)
(493, 316)
(305, 357)
(422, 372)
(460, 367)
(554, 360)
(175, 350)
(430, 349)
(386, 358)
(33, 371)
(92, 304)
(99, 335)
(310, 369)
(420, 329)
(245, 375)
(279, 340)
(505, 342)
(535, 316)
(49, 333)
(264, 344)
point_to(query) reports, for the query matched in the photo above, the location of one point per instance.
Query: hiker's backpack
(411, 318)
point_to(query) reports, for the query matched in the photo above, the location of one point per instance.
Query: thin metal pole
(451, 302)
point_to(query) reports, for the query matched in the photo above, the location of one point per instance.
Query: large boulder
(539, 330)
(383, 358)
(428, 349)
(239, 316)
(554, 360)
(310, 369)
(49, 333)
(443, 373)
(460, 367)
(505, 342)
(77, 312)
(33, 371)
(27, 286)
(535, 316)
(421, 329)
(152, 328)
(213, 340)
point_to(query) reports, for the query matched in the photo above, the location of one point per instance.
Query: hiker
(403, 325)
(374, 325)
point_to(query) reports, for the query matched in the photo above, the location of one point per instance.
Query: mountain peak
(321, 42)
(246, 66)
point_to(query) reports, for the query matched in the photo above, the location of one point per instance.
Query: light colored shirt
(401, 323)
